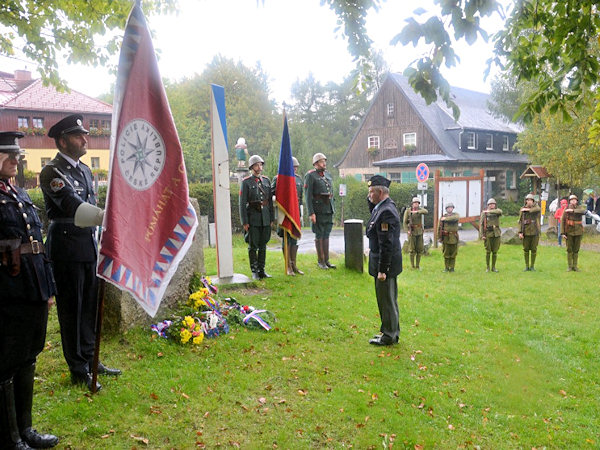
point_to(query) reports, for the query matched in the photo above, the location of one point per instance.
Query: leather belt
(33, 247)
(62, 221)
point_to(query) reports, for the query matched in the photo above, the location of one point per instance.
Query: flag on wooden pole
(285, 191)
(149, 222)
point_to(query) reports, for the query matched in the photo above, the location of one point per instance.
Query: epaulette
(246, 177)
(311, 171)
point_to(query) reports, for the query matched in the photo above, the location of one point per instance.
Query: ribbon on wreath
(255, 315)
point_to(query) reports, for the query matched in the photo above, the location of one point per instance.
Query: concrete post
(353, 244)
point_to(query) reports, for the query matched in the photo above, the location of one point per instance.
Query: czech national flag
(285, 192)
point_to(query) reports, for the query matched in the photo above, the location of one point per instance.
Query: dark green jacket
(319, 192)
(256, 201)
(529, 221)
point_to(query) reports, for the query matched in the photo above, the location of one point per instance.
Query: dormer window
(489, 142)
(471, 141)
(505, 146)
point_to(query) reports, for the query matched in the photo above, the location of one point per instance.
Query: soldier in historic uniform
(385, 258)
(257, 215)
(572, 230)
(490, 232)
(292, 252)
(448, 236)
(319, 202)
(529, 230)
(71, 208)
(413, 224)
(26, 286)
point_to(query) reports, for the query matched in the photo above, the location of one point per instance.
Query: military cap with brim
(9, 142)
(378, 180)
(69, 125)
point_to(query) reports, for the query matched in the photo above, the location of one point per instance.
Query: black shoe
(532, 269)
(255, 276)
(37, 440)
(263, 274)
(381, 341)
(331, 266)
(446, 270)
(494, 270)
(526, 269)
(103, 370)
(84, 378)
(323, 266)
(452, 270)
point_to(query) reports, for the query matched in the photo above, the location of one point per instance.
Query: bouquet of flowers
(249, 316)
(186, 330)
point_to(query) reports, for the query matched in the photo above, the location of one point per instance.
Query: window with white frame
(390, 109)
(23, 122)
(505, 143)
(471, 140)
(489, 142)
(409, 139)
(38, 122)
(373, 142)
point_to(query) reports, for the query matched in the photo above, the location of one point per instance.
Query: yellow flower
(198, 339)
(185, 336)
(189, 321)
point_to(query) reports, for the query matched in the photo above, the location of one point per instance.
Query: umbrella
(588, 191)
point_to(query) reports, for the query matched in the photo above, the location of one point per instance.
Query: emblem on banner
(141, 154)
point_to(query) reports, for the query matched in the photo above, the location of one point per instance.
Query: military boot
(294, 255)
(575, 261)
(452, 263)
(288, 259)
(319, 247)
(253, 259)
(326, 254)
(418, 262)
(532, 265)
(570, 261)
(412, 260)
(10, 437)
(494, 257)
(23, 391)
(487, 262)
(526, 262)
(260, 263)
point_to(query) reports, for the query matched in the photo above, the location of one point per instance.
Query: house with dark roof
(400, 131)
(27, 105)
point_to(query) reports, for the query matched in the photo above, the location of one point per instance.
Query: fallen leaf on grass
(160, 354)
(153, 396)
(206, 414)
(262, 400)
(302, 392)
(450, 427)
(143, 440)
(562, 392)
(155, 410)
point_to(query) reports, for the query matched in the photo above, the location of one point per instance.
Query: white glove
(88, 215)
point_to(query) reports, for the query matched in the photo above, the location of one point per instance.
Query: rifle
(484, 224)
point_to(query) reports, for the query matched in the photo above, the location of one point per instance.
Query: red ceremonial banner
(149, 222)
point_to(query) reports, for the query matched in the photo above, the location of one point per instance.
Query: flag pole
(285, 250)
(99, 318)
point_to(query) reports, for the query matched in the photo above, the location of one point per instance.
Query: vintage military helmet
(255, 159)
(295, 162)
(318, 157)
(491, 200)
(573, 196)
(450, 205)
(416, 199)
(529, 197)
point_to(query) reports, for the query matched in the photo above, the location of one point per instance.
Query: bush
(509, 207)
(203, 192)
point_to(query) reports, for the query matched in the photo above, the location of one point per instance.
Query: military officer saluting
(71, 208)
(448, 236)
(490, 232)
(26, 285)
(319, 202)
(385, 258)
(572, 230)
(529, 230)
(257, 215)
(413, 224)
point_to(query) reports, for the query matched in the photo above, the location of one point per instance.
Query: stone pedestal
(121, 311)
(353, 244)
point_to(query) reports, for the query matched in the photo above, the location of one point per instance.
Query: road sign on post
(422, 172)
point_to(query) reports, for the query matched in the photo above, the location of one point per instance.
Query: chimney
(22, 75)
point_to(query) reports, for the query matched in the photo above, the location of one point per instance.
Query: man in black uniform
(26, 285)
(292, 243)
(71, 207)
(319, 202)
(385, 258)
(257, 215)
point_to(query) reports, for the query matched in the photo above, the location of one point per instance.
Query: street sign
(342, 190)
(422, 172)
(422, 186)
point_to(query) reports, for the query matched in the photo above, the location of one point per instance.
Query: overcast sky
(290, 38)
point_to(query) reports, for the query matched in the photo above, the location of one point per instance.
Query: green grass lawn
(485, 360)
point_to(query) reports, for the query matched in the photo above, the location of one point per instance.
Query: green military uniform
(529, 230)
(319, 201)
(489, 230)
(572, 228)
(448, 235)
(256, 210)
(413, 224)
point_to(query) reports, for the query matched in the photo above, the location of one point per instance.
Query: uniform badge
(384, 227)
(57, 184)
(4, 187)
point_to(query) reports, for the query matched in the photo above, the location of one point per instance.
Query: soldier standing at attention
(413, 223)
(572, 230)
(448, 236)
(71, 207)
(292, 243)
(319, 201)
(385, 258)
(26, 285)
(257, 215)
(490, 232)
(529, 230)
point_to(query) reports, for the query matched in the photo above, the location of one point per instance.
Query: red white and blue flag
(285, 192)
(149, 222)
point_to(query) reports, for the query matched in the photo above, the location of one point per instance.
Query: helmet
(450, 205)
(573, 196)
(255, 159)
(490, 201)
(416, 199)
(295, 162)
(529, 197)
(318, 157)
